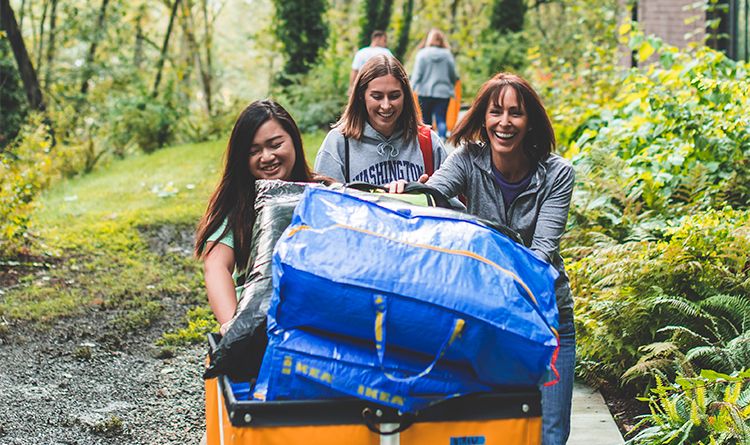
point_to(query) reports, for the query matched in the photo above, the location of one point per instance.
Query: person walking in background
(505, 168)
(434, 79)
(378, 139)
(378, 45)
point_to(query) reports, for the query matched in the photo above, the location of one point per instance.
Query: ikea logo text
(379, 396)
(313, 373)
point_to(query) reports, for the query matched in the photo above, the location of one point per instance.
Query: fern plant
(708, 409)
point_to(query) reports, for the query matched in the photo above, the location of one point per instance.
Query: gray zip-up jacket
(434, 73)
(375, 159)
(539, 214)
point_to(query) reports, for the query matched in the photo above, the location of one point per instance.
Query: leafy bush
(621, 288)
(318, 98)
(27, 169)
(711, 409)
(200, 322)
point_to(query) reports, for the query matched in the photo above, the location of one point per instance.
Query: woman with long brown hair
(265, 144)
(505, 168)
(376, 140)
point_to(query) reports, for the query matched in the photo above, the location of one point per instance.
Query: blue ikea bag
(408, 277)
(300, 365)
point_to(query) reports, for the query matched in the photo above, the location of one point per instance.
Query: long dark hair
(352, 123)
(539, 141)
(234, 197)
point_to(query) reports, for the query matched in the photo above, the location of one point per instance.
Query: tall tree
(507, 16)
(403, 36)
(51, 44)
(88, 70)
(302, 31)
(377, 15)
(160, 64)
(12, 98)
(25, 67)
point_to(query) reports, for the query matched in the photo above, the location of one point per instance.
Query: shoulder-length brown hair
(436, 37)
(352, 123)
(539, 141)
(234, 197)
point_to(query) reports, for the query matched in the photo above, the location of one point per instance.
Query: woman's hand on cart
(398, 186)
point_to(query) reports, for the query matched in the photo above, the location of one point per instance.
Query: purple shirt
(511, 190)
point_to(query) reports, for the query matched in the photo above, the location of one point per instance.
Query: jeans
(556, 399)
(438, 107)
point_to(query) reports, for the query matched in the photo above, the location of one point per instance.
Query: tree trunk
(164, 47)
(40, 51)
(51, 44)
(25, 67)
(192, 43)
(403, 39)
(139, 38)
(88, 72)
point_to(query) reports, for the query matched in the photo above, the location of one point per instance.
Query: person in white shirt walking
(378, 45)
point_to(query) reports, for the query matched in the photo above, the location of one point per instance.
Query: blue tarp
(342, 255)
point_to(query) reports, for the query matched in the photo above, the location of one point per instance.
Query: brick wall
(666, 20)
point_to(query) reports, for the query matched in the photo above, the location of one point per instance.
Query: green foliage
(492, 53)
(302, 31)
(200, 322)
(403, 26)
(507, 16)
(13, 102)
(623, 289)
(317, 99)
(143, 317)
(27, 169)
(711, 409)
(376, 16)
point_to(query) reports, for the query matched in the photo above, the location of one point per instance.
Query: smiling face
(384, 100)
(272, 153)
(507, 124)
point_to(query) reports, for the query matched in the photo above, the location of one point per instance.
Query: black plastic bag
(239, 354)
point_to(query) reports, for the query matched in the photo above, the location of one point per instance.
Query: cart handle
(371, 422)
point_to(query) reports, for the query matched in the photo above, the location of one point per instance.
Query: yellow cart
(507, 419)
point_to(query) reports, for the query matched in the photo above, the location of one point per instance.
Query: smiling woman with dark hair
(265, 144)
(376, 140)
(505, 168)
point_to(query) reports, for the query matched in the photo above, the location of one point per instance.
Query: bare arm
(218, 266)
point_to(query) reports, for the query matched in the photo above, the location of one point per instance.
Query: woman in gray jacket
(505, 168)
(434, 79)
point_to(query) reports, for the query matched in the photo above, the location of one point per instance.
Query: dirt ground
(69, 385)
(79, 381)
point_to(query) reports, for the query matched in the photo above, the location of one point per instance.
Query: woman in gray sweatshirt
(376, 140)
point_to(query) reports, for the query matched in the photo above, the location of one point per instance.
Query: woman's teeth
(504, 135)
(270, 167)
(386, 115)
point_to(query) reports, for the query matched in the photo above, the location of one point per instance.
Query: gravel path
(72, 385)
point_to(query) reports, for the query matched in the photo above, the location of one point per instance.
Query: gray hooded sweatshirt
(375, 159)
(434, 73)
(539, 214)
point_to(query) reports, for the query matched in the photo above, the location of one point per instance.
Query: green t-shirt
(228, 240)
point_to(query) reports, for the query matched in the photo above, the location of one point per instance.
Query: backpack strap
(346, 160)
(425, 144)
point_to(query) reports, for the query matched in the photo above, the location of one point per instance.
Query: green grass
(95, 232)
